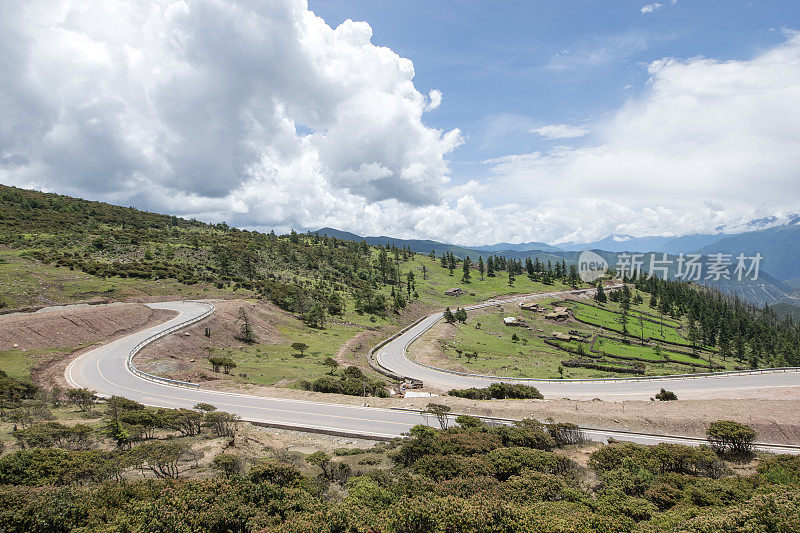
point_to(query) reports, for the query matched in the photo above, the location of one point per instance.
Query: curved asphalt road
(392, 356)
(105, 371)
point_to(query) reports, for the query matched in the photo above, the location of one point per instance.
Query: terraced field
(537, 351)
(639, 324)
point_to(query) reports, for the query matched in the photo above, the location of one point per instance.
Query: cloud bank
(256, 110)
(262, 115)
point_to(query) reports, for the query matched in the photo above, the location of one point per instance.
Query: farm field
(609, 319)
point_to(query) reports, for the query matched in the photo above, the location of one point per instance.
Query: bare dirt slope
(53, 337)
(178, 355)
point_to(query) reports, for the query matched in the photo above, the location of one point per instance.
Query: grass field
(499, 355)
(531, 357)
(18, 363)
(649, 353)
(27, 282)
(609, 319)
(280, 364)
(431, 290)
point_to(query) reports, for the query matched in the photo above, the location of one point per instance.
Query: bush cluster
(499, 391)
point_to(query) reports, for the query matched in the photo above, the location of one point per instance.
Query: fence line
(136, 349)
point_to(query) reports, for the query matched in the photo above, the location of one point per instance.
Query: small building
(529, 306)
(513, 321)
(455, 291)
(559, 313)
(566, 336)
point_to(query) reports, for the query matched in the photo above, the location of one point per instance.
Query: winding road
(392, 357)
(106, 370)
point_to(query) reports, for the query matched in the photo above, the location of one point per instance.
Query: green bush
(727, 436)
(507, 462)
(666, 396)
(500, 391)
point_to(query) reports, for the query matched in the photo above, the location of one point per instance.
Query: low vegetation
(499, 391)
(351, 381)
(120, 466)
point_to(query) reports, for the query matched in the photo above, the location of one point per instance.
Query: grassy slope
(280, 364)
(29, 282)
(532, 357)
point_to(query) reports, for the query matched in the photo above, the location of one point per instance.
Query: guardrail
(136, 349)
(499, 379)
(372, 359)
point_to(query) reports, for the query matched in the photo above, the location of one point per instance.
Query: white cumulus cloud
(709, 143)
(257, 112)
(260, 114)
(435, 100)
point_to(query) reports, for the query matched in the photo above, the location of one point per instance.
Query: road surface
(104, 370)
(392, 356)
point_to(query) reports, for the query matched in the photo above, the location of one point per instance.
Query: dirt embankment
(775, 421)
(54, 337)
(182, 355)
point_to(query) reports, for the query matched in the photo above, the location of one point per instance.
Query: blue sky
(506, 67)
(469, 122)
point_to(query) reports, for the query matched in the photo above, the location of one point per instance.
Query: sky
(470, 122)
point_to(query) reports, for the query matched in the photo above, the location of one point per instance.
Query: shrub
(507, 462)
(666, 396)
(274, 472)
(466, 421)
(500, 391)
(727, 436)
(526, 433)
(441, 467)
(565, 433)
(229, 465)
(661, 458)
(783, 469)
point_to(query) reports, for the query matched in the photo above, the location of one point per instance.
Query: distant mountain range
(779, 246)
(627, 243)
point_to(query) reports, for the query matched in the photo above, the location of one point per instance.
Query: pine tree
(600, 295)
(449, 317)
(481, 267)
(490, 267)
(529, 267)
(465, 276)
